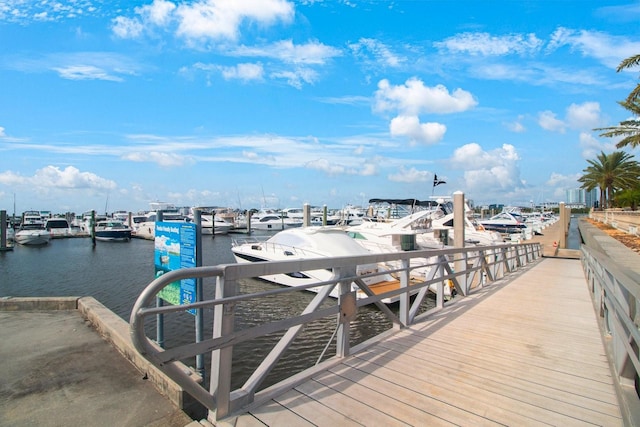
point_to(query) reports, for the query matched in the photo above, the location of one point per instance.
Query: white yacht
(508, 221)
(306, 243)
(147, 229)
(58, 227)
(270, 220)
(112, 230)
(31, 230)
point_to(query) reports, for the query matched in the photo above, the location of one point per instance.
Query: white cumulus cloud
(410, 126)
(496, 169)
(409, 175)
(52, 177)
(548, 121)
(413, 98)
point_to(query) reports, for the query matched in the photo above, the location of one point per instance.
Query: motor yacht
(31, 230)
(58, 227)
(508, 221)
(306, 243)
(112, 230)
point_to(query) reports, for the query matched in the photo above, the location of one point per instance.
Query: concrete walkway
(57, 370)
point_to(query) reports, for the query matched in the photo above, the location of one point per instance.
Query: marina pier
(524, 348)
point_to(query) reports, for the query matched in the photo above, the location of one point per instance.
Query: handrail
(616, 298)
(468, 269)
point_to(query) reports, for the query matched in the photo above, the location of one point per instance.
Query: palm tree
(629, 129)
(611, 173)
(633, 61)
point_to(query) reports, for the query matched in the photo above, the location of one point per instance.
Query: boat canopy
(408, 202)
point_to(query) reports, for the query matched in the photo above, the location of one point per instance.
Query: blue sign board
(175, 248)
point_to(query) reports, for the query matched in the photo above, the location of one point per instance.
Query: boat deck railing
(472, 268)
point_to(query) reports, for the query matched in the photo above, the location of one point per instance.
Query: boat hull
(113, 235)
(32, 237)
(504, 228)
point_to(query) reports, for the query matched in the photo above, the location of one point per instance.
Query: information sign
(175, 248)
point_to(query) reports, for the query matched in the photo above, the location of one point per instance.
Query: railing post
(347, 302)
(221, 360)
(403, 313)
(460, 262)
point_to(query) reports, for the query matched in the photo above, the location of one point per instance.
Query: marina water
(116, 273)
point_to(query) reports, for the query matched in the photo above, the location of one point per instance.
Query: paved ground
(57, 371)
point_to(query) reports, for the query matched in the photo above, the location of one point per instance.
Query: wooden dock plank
(335, 395)
(453, 394)
(402, 411)
(488, 368)
(508, 386)
(524, 352)
(314, 411)
(274, 414)
(413, 407)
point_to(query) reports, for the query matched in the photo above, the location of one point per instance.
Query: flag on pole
(437, 181)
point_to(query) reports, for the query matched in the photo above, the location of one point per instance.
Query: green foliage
(628, 129)
(629, 198)
(611, 173)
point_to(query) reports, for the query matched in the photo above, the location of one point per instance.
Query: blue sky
(279, 103)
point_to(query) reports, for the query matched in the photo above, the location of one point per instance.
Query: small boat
(58, 227)
(112, 230)
(215, 225)
(213, 220)
(32, 234)
(85, 221)
(312, 242)
(508, 221)
(32, 231)
(474, 233)
(146, 228)
(136, 221)
(274, 222)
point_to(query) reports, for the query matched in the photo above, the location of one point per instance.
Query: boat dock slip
(525, 351)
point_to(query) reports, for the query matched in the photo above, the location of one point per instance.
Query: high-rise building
(580, 196)
(592, 197)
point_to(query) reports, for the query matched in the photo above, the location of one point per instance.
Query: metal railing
(467, 269)
(616, 297)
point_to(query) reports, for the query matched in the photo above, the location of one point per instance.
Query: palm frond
(629, 63)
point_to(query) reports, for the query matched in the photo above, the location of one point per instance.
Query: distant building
(579, 197)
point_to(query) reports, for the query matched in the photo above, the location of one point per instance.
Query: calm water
(116, 273)
(574, 240)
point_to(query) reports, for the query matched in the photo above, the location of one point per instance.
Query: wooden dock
(526, 351)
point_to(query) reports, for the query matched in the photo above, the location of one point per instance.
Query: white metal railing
(471, 268)
(616, 297)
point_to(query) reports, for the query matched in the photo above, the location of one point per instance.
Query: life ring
(555, 244)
